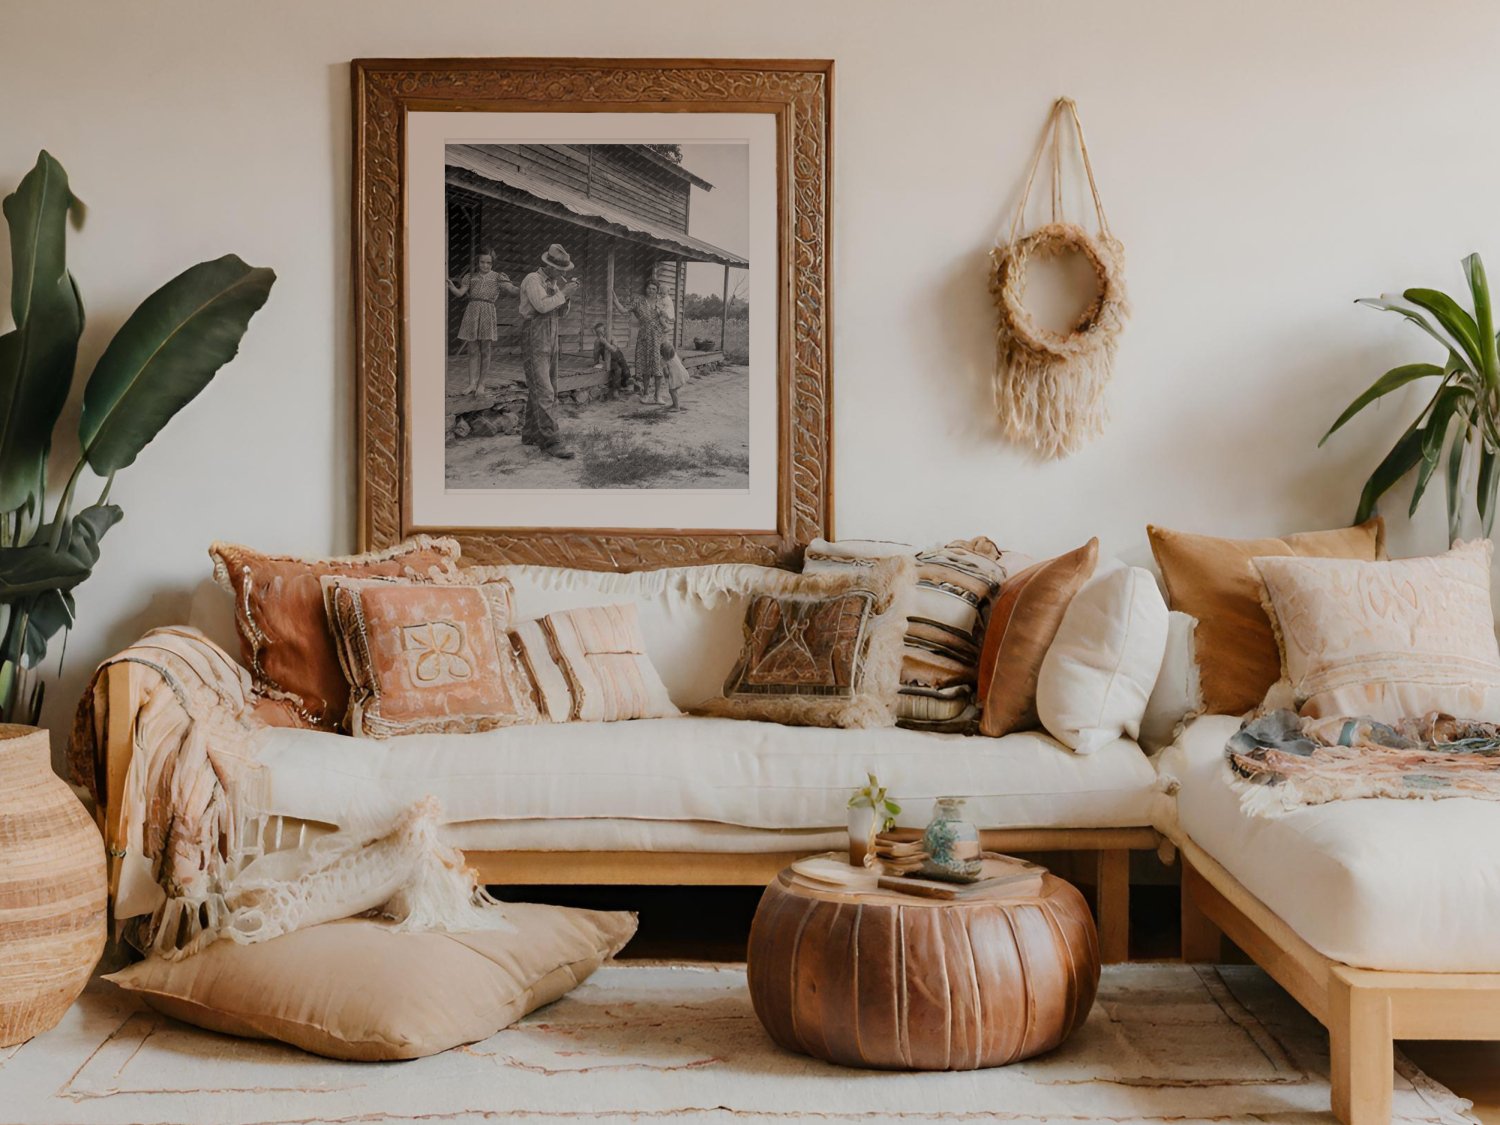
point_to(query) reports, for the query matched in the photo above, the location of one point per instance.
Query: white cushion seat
(1404, 885)
(723, 771)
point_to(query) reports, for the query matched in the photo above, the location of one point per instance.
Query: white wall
(1264, 164)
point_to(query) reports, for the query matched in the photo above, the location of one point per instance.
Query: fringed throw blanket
(191, 842)
(1281, 761)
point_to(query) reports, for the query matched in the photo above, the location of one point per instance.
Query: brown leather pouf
(881, 979)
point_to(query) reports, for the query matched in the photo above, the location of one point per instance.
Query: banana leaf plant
(164, 354)
(1457, 428)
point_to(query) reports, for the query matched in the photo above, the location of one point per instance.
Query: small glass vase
(951, 843)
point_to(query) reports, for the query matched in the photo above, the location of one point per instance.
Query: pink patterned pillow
(427, 657)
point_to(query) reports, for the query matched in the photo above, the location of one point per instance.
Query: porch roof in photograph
(514, 186)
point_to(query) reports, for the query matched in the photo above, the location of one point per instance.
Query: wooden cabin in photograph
(619, 210)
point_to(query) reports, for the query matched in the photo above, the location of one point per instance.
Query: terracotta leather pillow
(358, 990)
(427, 657)
(1023, 622)
(285, 640)
(1215, 581)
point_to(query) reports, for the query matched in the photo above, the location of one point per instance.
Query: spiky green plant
(163, 355)
(1457, 427)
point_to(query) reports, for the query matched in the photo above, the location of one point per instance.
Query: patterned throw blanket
(193, 857)
(1281, 761)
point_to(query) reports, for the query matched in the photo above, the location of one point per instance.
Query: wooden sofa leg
(1202, 941)
(1361, 1052)
(1112, 886)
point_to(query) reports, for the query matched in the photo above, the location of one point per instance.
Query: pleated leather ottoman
(887, 980)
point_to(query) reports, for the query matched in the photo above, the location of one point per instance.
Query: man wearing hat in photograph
(543, 299)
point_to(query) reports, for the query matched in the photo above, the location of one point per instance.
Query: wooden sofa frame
(1364, 1010)
(1111, 846)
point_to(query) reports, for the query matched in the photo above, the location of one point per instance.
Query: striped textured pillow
(590, 665)
(956, 583)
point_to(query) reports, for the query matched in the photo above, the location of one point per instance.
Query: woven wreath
(1049, 386)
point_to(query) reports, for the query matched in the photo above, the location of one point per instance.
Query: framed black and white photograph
(598, 349)
(598, 319)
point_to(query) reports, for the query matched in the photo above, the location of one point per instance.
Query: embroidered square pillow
(1388, 640)
(285, 639)
(590, 665)
(424, 657)
(955, 586)
(1214, 580)
(823, 649)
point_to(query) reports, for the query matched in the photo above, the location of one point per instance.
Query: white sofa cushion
(1101, 665)
(731, 771)
(1378, 884)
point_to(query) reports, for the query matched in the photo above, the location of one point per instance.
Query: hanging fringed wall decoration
(1049, 386)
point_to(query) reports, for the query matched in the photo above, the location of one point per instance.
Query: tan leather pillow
(1214, 580)
(357, 990)
(427, 657)
(1023, 622)
(285, 640)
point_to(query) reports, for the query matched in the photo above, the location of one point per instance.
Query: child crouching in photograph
(676, 374)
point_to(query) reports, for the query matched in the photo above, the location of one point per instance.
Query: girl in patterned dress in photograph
(481, 324)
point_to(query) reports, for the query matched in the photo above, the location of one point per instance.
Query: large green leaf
(1448, 402)
(37, 356)
(1488, 480)
(1454, 480)
(1402, 458)
(1394, 379)
(1484, 317)
(37, 567)
(166, 353)
(1454, 318)
(1391, 302)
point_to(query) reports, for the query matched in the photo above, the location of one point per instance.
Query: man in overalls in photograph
(543, 299)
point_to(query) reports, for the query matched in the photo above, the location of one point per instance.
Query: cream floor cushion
(1379, 884)
(728, 771)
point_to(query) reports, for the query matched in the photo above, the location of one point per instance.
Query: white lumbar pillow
(1178, 695)
(1098, 674)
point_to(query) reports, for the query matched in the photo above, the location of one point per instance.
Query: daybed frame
(1112, 846)
(1364, 1010)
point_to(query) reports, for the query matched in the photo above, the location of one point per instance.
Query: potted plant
(162, 356)
(52, 870)
(871, 811)
(1457, 427)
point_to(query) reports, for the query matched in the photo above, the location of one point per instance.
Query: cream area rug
(647, 1042)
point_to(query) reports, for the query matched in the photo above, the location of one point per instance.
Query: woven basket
(52, 889)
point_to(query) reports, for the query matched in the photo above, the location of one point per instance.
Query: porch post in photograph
(609, 300)
(681, 296)
(724, 312)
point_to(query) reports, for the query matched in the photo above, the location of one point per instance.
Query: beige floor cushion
(358, 990)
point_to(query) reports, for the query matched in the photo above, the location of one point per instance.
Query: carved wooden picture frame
(390, 99)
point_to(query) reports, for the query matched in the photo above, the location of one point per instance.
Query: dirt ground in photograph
(624, 443)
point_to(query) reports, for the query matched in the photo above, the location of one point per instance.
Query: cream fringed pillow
(1388, 640)
(356, 990)
(427, 657)
(823, 650)
(590, 665)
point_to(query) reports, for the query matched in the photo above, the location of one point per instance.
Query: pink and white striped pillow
(590, 665)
